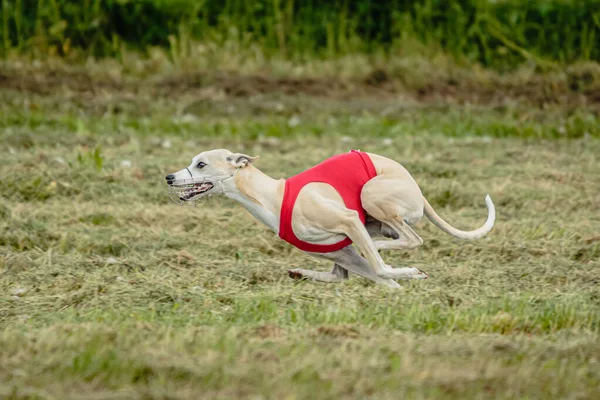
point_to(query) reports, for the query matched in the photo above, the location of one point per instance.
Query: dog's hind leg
(357, 232)
(377, 229)
(407, 238)
(389, 200)
(338, 274)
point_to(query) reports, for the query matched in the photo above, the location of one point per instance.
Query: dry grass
(109, 291)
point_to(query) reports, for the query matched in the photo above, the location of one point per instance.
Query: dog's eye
(200, 165)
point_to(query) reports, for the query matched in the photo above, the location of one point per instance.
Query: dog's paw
(295, 274)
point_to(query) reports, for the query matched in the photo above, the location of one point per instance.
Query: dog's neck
(260, 194)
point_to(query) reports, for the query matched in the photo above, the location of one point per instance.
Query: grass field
(108, 290)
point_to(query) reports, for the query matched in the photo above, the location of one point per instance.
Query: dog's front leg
(348, 259)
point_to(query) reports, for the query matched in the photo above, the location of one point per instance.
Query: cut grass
(107, 290)
(141, 360)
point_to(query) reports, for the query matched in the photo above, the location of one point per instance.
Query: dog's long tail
(468, 235)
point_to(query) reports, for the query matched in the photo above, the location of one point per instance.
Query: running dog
(349, 198)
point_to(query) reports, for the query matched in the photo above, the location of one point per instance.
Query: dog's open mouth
(190, 190)
(195, 190)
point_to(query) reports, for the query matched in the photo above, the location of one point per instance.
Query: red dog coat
(347, 173)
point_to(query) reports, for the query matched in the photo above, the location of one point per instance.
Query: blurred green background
(499, 34)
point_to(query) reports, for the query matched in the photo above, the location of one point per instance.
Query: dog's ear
(240, 160)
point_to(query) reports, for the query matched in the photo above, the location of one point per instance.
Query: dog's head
(206, 175)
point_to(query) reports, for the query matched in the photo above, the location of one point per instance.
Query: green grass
(108, 290)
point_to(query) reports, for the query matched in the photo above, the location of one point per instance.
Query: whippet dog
(319, 219)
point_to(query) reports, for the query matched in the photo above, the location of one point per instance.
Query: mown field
(108, 290)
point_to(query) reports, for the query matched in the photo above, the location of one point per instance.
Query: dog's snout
(170, 178)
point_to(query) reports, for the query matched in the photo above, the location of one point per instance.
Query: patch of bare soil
(49, 82)
(341, 331)
(577, 91)
(536, 92)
